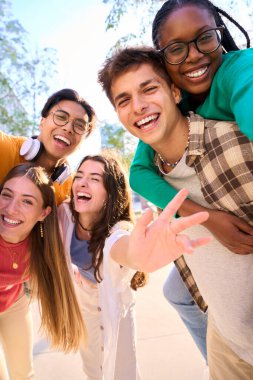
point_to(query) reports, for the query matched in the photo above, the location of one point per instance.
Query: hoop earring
(41, 230)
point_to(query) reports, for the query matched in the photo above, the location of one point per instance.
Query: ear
(45, 213)
(41, 125)
(176, 92)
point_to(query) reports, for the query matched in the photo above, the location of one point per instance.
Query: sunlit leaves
(24, 74)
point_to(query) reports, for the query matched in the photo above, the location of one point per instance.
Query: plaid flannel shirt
(223, 160)
(190, 283)
(222, 157)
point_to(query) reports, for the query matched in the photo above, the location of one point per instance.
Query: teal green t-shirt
(230, 98)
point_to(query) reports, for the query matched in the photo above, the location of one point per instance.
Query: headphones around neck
(31, 150)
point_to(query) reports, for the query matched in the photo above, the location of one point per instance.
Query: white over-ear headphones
(61, 173)
(32, 148)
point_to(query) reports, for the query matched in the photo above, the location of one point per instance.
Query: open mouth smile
(146, 122)
(197, 73)
(11, 222)
(62, 140)
(83, 196)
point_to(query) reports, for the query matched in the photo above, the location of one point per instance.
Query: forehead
(23, 186)
(91, 166)
(134, 77)
(185, 22)
(73, 108)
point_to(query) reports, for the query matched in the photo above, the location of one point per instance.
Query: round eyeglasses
(206, 42)
(62, 118)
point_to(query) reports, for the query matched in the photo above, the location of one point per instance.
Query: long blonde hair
(48, 271)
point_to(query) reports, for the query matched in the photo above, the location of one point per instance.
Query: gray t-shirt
(225, 279)
(81, 257)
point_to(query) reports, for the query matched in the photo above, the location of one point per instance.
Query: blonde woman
(31, 248)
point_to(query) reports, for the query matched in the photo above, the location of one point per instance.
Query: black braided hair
(171, 5)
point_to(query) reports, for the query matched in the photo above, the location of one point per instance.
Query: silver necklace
(172, 165)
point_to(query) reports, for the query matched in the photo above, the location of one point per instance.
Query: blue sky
(76, 29)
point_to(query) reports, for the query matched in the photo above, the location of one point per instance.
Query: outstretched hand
(154, 245)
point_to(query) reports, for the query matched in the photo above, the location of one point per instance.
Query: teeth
(11, 221)
(62, 138)
(197, 73)
(86, 195)
(143, 127)
(146, 120)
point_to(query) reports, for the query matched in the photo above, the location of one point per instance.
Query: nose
(84, 182)
(69, 127)
(12, 207)
(193, 53)
(139, 105)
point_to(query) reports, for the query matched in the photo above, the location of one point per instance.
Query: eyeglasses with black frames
(61, 118)
(206, 43)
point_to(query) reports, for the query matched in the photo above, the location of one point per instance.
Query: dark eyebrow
(100, 175)
(143, 84)
(148, 81)
(77, 118)
(62, 111)
(23, 195)
(121, 95)
(81, 172)
(30, 196)
(6, 188)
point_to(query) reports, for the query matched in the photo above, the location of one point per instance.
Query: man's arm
(232, 232)
(144, 178)
(229, 230)
(9, 148)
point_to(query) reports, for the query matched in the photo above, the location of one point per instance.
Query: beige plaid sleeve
(190, 283)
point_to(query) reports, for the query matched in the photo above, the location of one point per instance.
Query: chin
(81, 209)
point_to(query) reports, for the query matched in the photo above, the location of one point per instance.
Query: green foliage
(121, 7)
(112, 136)
(117, 138)
(143, 11)
(41, 68)
(23, 75)
(17, 121)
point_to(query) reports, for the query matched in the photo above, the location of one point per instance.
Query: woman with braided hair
(217, 82)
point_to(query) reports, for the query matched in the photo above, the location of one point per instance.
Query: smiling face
(145, 104)
(60, 142)
(89, 194)
(196, 73)
(21, 207)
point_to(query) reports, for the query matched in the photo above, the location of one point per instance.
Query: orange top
(9, 147)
